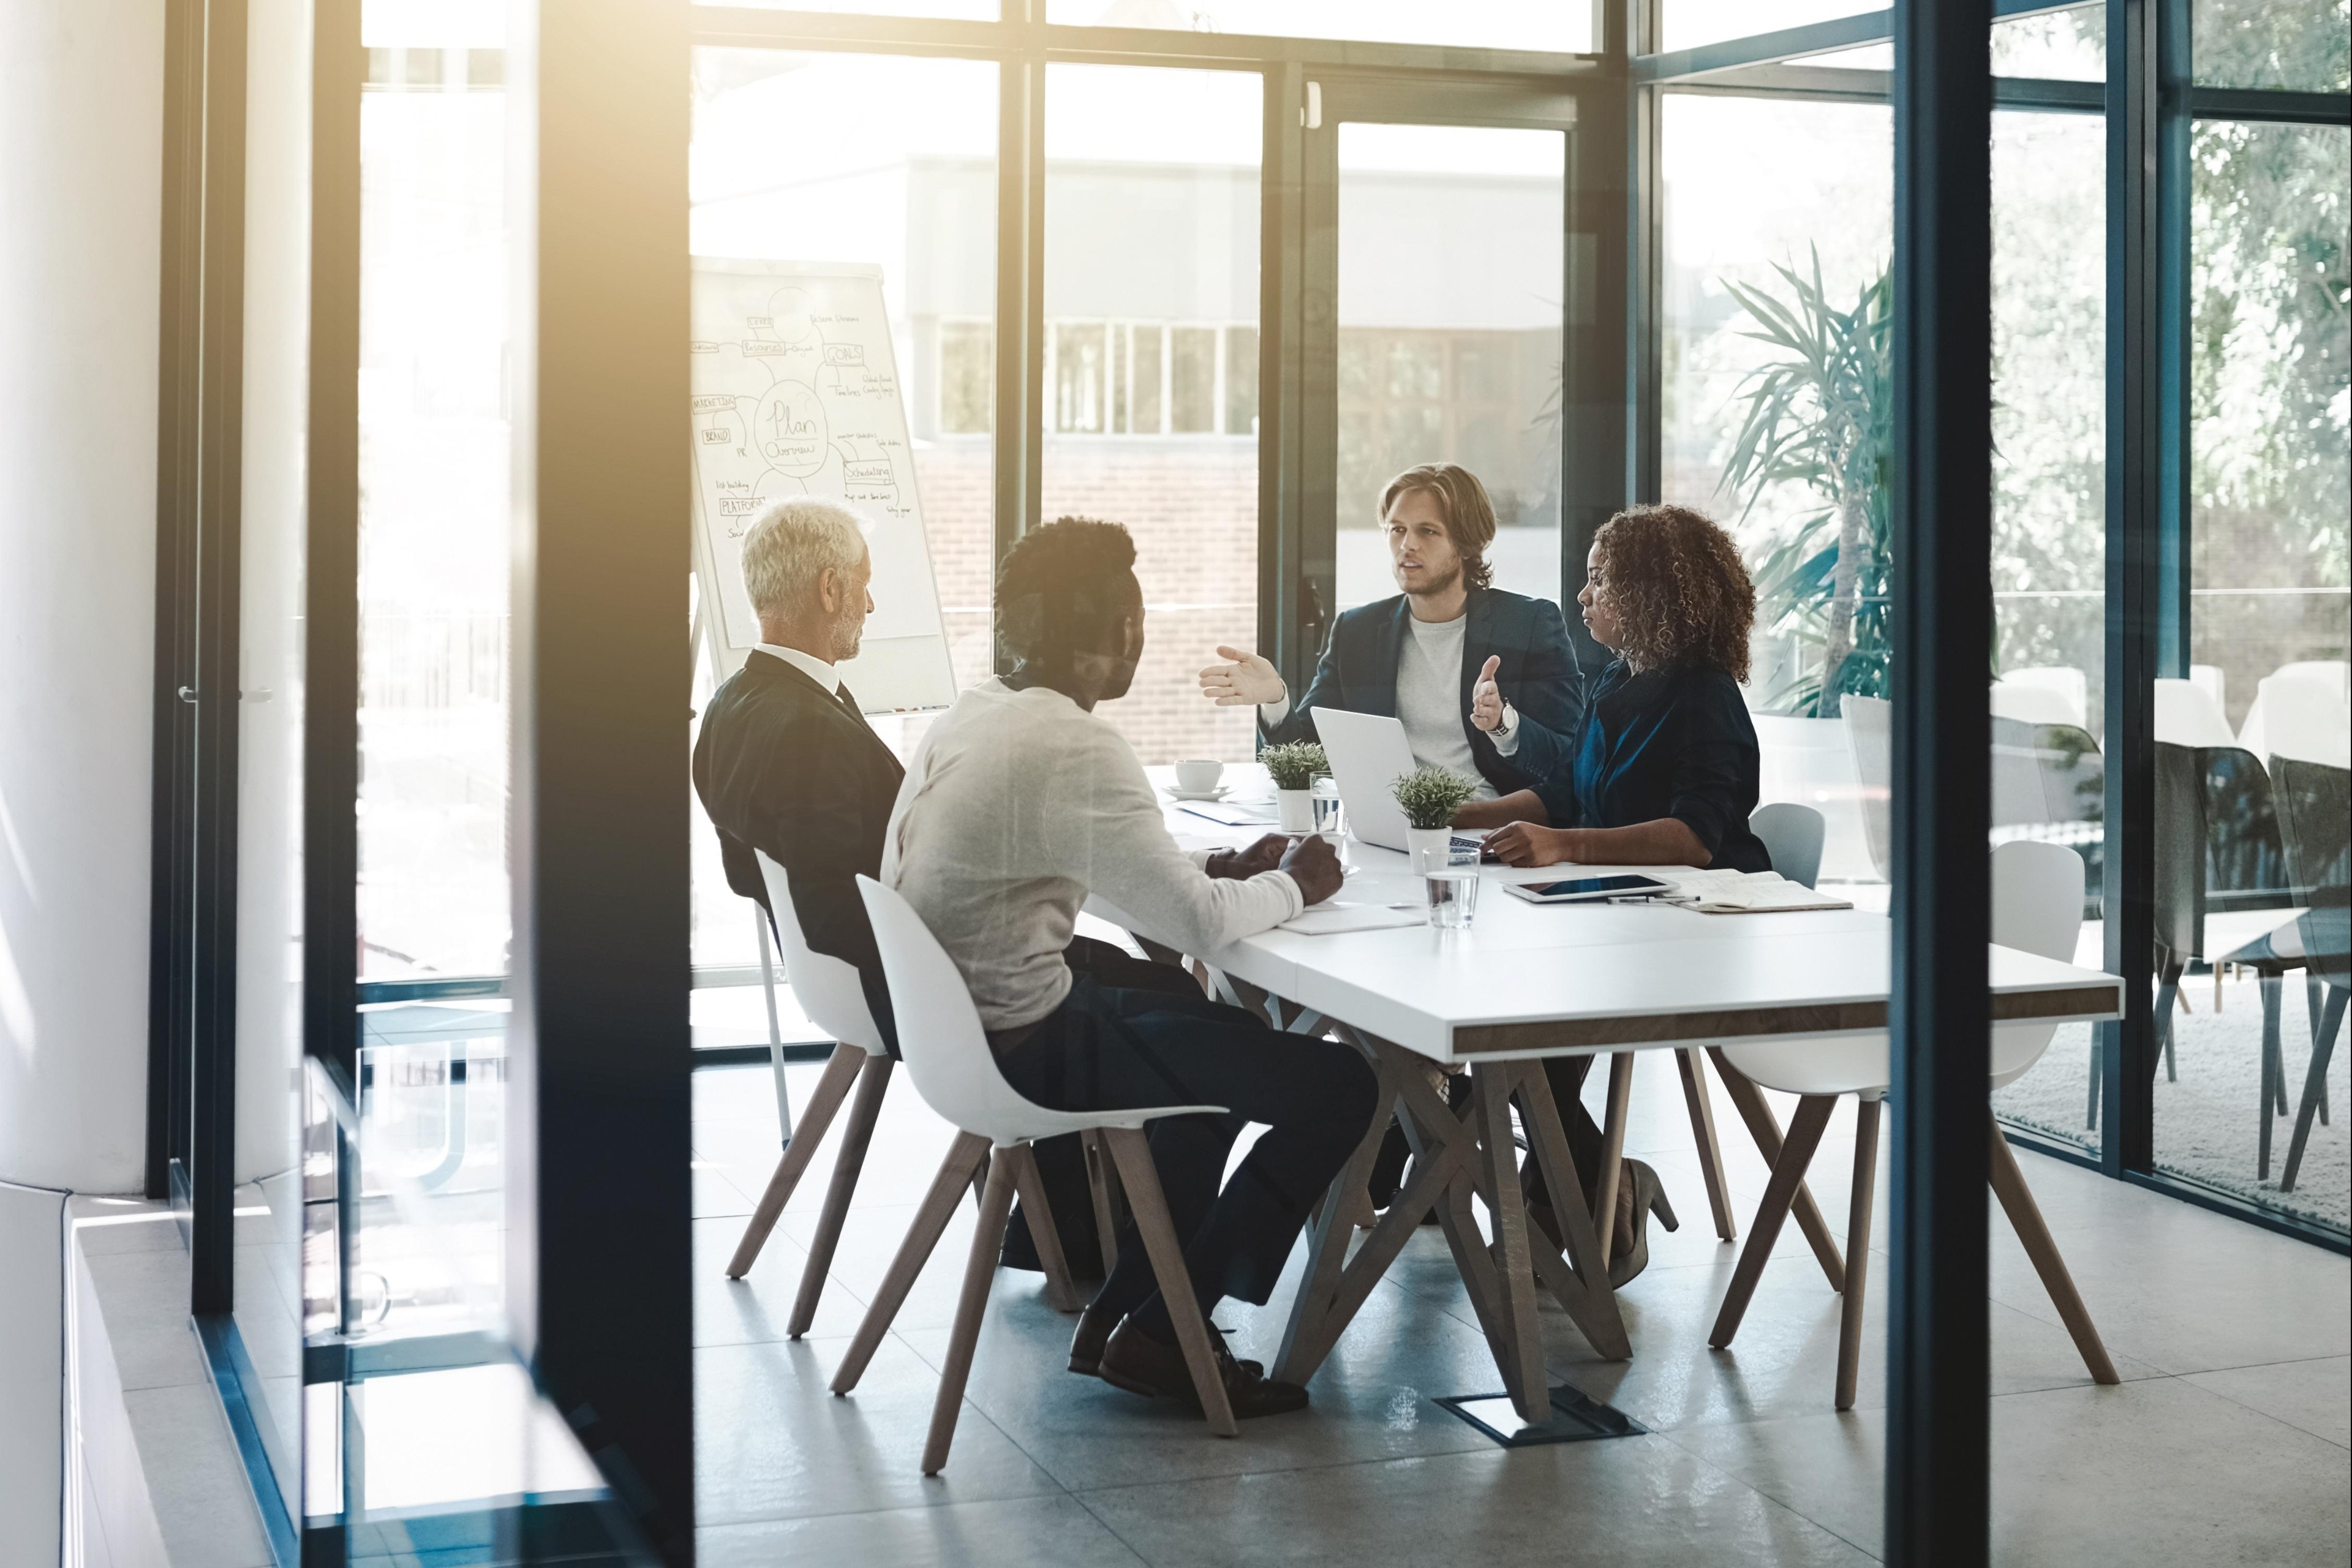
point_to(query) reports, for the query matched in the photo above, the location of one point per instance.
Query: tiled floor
(2227, 1443)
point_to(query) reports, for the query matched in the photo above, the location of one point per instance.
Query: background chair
(1869, 731)
(1793, 836)
(2301, 710)
(2315, 812)
(2056, 694)
(2037, 907)
(948, 1056)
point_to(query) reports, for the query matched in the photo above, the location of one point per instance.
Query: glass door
(1440, 236)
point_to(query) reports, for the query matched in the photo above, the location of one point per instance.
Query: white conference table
(1523, 982)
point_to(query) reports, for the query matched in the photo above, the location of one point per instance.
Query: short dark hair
(1062, 587)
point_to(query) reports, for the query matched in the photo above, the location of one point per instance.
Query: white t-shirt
(1429, 699)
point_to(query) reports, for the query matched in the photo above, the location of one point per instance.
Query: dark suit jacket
(1674, 742)
(1538, 676)
(783, 767)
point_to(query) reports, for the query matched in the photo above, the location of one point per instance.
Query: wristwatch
(1509, 726)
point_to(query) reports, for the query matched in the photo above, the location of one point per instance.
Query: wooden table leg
(1748, 1100)
(1522, 1356)
(1613, 1152)
(1710, 1152)
(1805, 1130)
(1303, 1339)
(1587, 1298)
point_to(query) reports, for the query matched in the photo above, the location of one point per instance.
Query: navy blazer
(1538, 676)
(1675, 742)
(785, 766)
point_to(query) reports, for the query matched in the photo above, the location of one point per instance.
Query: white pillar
(81, 92)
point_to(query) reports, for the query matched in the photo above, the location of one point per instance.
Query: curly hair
(1677, 587)
(1061, 587)
(1462, 502)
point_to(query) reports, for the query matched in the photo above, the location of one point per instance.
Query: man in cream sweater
(1019, 804)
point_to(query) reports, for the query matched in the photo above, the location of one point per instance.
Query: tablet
(1584, 889)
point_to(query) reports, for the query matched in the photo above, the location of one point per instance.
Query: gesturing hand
(1525, 844)
(1315, 867)
(1486, 698)
(1247, 680)
(1264, 855)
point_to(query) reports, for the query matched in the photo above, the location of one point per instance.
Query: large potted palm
(1819, 416)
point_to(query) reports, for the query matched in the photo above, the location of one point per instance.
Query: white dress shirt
(808, 664)
(1016, 805)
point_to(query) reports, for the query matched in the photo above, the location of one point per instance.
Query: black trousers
(1110, 1046)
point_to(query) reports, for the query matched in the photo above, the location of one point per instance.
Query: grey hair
(787, 551)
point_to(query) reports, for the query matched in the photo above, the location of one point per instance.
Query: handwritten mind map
(795, 392)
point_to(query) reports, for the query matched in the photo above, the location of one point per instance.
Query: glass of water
(1453, 892)
(1325, 793)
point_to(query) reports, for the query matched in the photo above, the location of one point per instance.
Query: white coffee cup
(1198, 776)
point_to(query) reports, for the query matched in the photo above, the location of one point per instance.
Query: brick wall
(1191, 505)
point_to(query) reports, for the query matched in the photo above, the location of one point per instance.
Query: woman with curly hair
(1665, 769)
(1663, 772)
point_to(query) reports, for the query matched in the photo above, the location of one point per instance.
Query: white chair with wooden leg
(829, 991)
(2037, 907)
(947, 1054)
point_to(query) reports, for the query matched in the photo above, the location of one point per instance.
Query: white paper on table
(1325, 921)
(1747, 892)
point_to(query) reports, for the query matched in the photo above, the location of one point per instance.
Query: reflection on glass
(1152, 303)
(2059, 46)
(2304, 46)
(2261, 720)
(1488, 23)
(893, 164)
(1451, 291)
(955, 10)
(434, 497)
(1686, 24)
(1794, 202)
(2049, 552)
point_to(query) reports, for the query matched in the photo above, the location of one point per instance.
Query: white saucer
(1217, 794)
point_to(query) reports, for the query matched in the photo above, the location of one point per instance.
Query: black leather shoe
(1139, 1363)
(1095, 1325)
(1095, 1328)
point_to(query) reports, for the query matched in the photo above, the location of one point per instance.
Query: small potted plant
(1430, 796)
(1294, 766)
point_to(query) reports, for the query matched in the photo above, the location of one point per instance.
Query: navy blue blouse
(1675, 742)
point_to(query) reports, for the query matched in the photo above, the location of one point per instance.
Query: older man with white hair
(786, 763)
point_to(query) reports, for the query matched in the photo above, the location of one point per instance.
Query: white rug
(2206, 1124)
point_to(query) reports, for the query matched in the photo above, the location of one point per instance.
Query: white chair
(2037, 907)
(2301, 710)
(1869, 731)
(831, 993)
(2049, 696)
(1793, 836)
(2187, 715)
(2212, 681)
(947, 1054)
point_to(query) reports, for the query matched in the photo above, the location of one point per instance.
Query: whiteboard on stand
(796, 391)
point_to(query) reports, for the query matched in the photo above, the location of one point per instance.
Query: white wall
(80, 172)
(32, 1374)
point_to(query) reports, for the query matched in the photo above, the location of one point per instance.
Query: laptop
(1367, 754)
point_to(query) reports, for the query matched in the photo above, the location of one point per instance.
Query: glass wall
(2252, 747)
(1451, 307)
(1491, 23)
(1777, 231)
(1151, 367)
(892, 164)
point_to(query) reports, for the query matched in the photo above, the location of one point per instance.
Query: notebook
(1746, 893)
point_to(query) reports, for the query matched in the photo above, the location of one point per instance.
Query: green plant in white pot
(1294, 766)
(1429, 797)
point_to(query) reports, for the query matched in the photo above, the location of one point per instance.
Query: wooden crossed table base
(1457, 1157)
